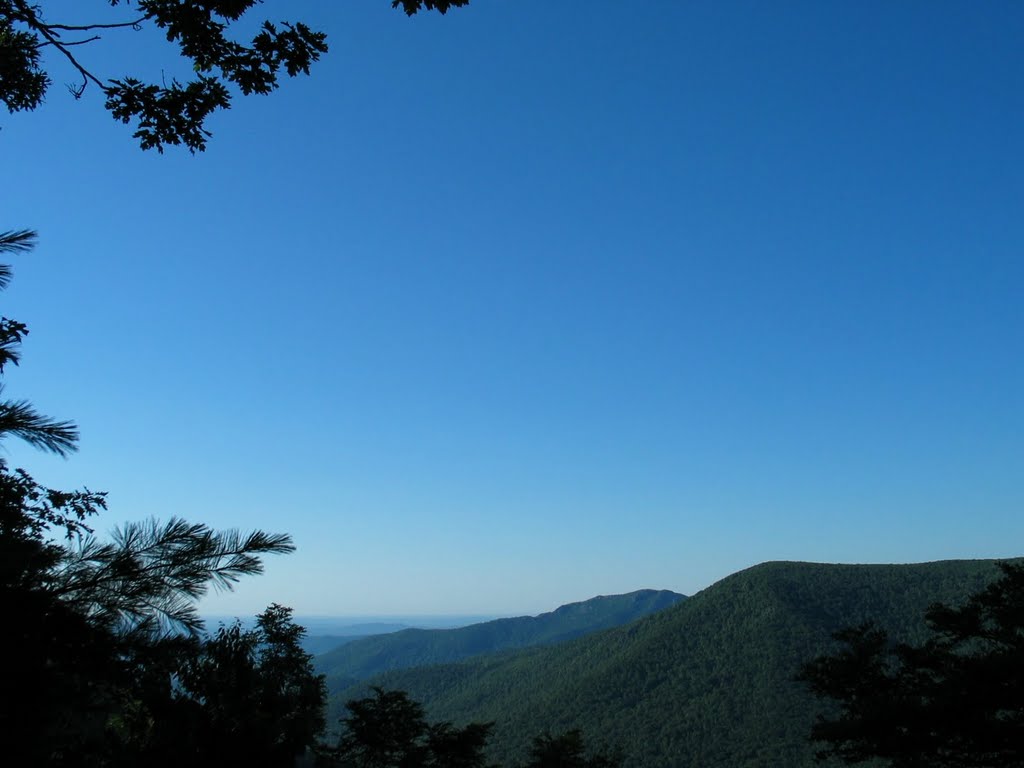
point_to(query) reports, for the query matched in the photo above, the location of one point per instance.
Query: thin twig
(27, 15)
(87, 27)
(75, 42)
(86, 74)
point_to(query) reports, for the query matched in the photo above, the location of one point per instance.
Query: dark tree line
(389, 730)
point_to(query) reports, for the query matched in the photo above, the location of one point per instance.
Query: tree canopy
(567, 750)
(954, 701)
(171, 112)
(389, 730)
(239, 697)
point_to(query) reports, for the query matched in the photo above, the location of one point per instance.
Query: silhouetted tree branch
(96, 630)
(149, 577)
(955, 701)
(171, 113)
(165, 113)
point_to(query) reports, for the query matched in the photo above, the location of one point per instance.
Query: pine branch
(153, 574)
(14, 241)
(20, 419)
(17, 240)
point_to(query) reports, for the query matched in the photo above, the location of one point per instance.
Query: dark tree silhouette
(567, 750)
(414, 6)
(100, 632)
(464, 747)
(55, 700)
(170, 112)
(241, 697)
(389, 730)
(17, 417)
(149, 576)
(955, 701)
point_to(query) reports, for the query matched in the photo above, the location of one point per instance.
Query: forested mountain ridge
(708, 682)
(364, 657)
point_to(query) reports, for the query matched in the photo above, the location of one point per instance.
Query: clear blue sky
(542, 300)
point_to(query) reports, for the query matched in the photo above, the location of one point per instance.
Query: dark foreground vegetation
(954, 701)
(389, 730)
(109, 665)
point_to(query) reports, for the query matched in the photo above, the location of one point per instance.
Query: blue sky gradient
(538, 301)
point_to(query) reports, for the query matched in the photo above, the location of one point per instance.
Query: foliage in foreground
(110, 660)
(168, 112)
(953, 701)
(111, 666)
(240, 697)
(389, 730)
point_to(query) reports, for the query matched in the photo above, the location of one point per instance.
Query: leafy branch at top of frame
(168, 113)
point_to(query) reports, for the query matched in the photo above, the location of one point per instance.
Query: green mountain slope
(365, 657)
(707, 683)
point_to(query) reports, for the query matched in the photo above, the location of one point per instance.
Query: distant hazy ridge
(361, 658)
